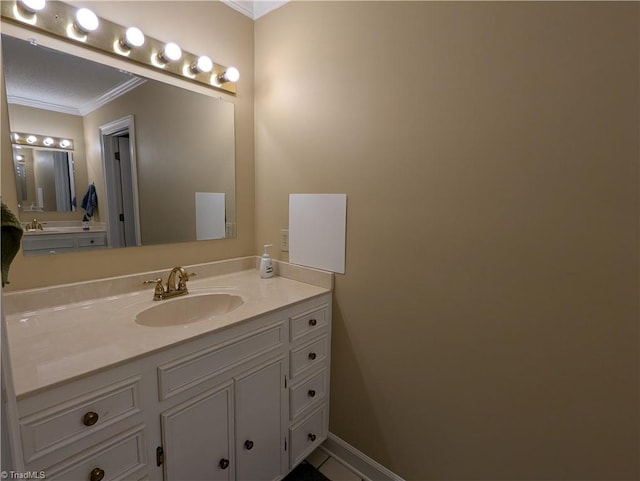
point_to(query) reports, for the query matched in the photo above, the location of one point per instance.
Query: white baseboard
(358, 462)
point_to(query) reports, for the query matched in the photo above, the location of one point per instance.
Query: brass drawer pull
(89, 419)
(224, 463)
(311, 393)
(312, 322)
(312, 356)
(96, 474)
(312, 437)
(248, 445)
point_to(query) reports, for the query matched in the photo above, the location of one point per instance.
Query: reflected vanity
(161, 157)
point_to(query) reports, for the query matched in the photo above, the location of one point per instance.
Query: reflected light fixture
(133, 37)
(86, 21)
(230, 75)
(202, 64)
(170, 53)
(32, 6)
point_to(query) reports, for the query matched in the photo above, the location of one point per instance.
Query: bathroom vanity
(106, 393)
(63, 236)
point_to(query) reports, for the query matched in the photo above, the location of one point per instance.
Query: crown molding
(83, 110)
(254, 9)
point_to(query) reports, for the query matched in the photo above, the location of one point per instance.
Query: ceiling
(47, 79)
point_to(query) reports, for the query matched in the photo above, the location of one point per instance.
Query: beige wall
(46, 122)
(487, 325)
(227, 36)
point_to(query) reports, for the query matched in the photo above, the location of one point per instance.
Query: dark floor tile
(305, 472)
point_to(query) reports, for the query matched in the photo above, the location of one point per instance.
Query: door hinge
(285, 444)
(116, 155)
(121, 217)
(159, 456)
(285, 382)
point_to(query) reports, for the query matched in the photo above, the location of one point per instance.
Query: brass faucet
(34, 225)
(173, 289)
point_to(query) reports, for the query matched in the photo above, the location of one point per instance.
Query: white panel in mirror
(317, 230)
(210, 221)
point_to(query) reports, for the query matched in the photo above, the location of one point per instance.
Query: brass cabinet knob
(224, 463)
(311, 393)
(96, 474)
(90, 418)
(312, 437)
(248, 444)
(312, 322)
(312, 356)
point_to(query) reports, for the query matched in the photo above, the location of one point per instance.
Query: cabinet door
(259, 437)
(197, 436)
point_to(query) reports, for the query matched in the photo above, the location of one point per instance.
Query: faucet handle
(182, 281)
(158, 291)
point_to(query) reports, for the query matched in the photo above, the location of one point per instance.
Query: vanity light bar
(36, 140)
(61, 20)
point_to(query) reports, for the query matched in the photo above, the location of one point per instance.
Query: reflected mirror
(45, 179)
(151, 162)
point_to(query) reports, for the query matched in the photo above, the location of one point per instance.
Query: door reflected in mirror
(178, 143)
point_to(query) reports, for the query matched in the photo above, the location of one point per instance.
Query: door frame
(124, 124)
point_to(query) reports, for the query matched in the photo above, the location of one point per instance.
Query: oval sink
(185, 310)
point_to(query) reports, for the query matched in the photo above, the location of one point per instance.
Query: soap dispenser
(266, 266)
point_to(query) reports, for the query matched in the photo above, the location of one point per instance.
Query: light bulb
(133, 37)
(170, 53)
(19, 157)
(202, 64)
(32, 139)
(230, 75)
(32, 6)
(86, 20)
(48, 141)
(65, 143)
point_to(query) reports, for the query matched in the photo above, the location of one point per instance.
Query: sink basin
(188, 309)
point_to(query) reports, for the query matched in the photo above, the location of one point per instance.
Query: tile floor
(331, 468)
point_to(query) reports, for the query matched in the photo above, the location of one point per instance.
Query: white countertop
(58, 343)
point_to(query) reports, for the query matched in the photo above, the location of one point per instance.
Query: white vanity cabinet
(246, 402)
(68, 242)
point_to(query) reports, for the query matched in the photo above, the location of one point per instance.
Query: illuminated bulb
(65, 143)
(19, 157)
(32, 6)
(230, 75)
(202, 64)
(32, 139)
(48, 141)
(133, 37)
(170, 53)
(86, 21)
(15, 136)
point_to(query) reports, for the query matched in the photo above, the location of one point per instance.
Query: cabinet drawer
(308, 356)
(92, 241)
(307, 393)
(64, 423)
(306, 435)
(47, 242)
(312, 321)
(122, 458)
(177, 376)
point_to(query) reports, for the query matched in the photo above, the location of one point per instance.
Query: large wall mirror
(159, 158)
